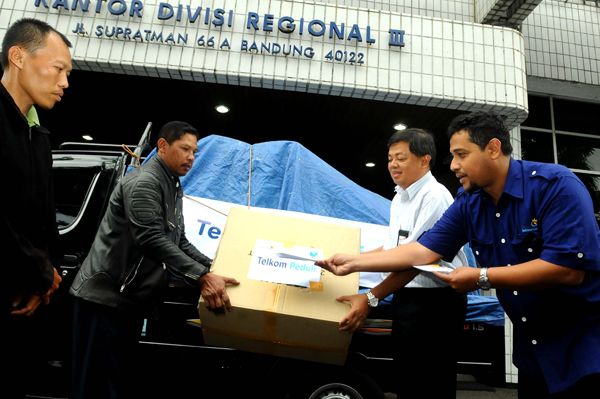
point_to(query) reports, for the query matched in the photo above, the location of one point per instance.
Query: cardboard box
(278, 319)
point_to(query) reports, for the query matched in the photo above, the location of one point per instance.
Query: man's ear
(162, 144)
(425, 160)
(15, 56)
(495, 148)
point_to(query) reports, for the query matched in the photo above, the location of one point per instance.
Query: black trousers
(426, 326)
(27, 344)
(105, 346)
(21, 340)
(536, 388)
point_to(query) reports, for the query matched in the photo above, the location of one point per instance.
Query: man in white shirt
(425, 312)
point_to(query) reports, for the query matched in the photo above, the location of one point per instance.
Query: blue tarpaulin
(484, 309)
(285, 175)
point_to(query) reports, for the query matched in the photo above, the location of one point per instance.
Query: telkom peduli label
(271, 262)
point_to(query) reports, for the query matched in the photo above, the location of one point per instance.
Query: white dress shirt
(416, 210)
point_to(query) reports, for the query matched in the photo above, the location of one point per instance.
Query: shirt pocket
(483, 250)
(528, 246)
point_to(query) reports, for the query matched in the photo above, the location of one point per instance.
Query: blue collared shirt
(544, 212)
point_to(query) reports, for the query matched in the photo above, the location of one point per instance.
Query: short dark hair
(420, 142)
(29, 33)
(482, 126)
(175, 130)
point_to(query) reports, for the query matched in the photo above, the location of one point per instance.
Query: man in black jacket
(36, 62)
(140, 243)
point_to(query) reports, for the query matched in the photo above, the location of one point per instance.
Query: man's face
(43, 76)
(469, 162)
(179, 156)
(404, 166)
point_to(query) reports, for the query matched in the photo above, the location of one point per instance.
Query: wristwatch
(372, 300)
(484, 281)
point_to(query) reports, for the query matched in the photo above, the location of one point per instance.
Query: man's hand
(33, 301)
(462, 279)
(359, 311)
(57, 280)
(338, 264)
(212, 289)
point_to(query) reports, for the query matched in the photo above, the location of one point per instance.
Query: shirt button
(524, 319)
(509, 264)
(580, 255)
(533, 173)
(498, 214)
(529, 249)
(515, 293)
(503, 240)
(534, 342)
(476, 252)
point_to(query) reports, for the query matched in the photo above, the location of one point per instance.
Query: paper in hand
(434, 268)
(298, 254)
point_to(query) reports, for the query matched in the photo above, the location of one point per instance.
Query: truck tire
(340, 384)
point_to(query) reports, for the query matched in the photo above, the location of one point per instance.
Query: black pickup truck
(175, 362)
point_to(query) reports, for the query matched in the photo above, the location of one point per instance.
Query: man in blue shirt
(533, 225)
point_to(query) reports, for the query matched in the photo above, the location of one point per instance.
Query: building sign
(298, 27)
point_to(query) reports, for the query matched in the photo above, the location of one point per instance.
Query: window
(536, 146)
(565, 132)
(71, 188)
(573, 116)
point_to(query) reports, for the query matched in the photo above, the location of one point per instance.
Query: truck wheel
(347, 384)
(335, 390)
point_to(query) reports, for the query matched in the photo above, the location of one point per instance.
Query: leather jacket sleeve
(190, 250)
(146, 218)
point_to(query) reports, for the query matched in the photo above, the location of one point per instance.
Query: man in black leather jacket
(140, 242)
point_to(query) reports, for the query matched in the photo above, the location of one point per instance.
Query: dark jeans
(426, 326)
(105, 345)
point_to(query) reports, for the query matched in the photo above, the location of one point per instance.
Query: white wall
(562, 41)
